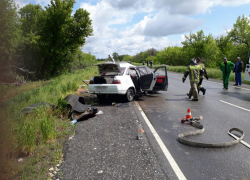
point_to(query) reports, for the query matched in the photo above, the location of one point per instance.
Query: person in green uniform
(194, 71)
(226, 67)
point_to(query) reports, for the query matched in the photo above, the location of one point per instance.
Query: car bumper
(104, 89)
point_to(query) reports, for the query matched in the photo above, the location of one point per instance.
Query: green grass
(39, 135)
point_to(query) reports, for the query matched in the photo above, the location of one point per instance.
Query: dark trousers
(200, 82)
(238, 79)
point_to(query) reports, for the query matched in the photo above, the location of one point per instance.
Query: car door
(147, 78)
(161, 79)
(247, 72)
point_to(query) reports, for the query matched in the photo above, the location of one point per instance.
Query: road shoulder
(106, 147)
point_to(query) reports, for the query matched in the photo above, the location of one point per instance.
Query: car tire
(129, 96)
(101, 97)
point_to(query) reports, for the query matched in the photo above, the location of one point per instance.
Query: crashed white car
(127, 80)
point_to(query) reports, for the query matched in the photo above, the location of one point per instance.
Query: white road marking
(235, 105)
(169, 157)
(241, 88)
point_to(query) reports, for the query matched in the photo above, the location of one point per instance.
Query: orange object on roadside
(189, 116)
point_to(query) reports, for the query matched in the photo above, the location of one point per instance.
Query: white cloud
(231, 2)
(131, 26)
(163, 24)
(23, 3)
(149, 32)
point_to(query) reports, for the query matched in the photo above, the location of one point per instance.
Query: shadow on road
(238, 95)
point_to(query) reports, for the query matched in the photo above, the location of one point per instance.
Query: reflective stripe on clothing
(195, 73)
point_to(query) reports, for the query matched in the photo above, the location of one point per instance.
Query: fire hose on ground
(193, 122)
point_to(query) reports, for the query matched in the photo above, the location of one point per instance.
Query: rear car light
(91, 82)
(116, 82)
(159, 80)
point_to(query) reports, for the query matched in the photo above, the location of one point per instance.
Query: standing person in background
(143, 63)
(237, 70)
(151, 64)
(200, 88)
(194, 71)
(226, 67)
(147, 63)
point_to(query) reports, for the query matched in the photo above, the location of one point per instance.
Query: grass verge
(33, 141)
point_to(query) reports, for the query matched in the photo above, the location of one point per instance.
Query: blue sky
(133, 26)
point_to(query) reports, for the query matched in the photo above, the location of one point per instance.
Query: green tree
(61, 35)
(211, 54)
(127, 58)
(173, 56)
(9, 37)
(200, 45)
(241, 31)
(152, 58)
(139, 57)
(240, 35)
(115, 56)
(151, 52)
(230, 49)
(29, 45)
(195, 43)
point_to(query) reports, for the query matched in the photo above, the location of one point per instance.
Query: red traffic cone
(189, 116)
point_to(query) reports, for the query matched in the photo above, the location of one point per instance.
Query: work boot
(189, 97)
(203, 90)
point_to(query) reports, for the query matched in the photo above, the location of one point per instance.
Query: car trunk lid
(108, 69)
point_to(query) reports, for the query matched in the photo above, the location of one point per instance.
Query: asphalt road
(166, 109)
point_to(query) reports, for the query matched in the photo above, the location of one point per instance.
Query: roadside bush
(47, 128)
(26, 137)
(61, 104)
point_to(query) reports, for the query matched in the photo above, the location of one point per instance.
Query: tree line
(42, 42)
(211, 50)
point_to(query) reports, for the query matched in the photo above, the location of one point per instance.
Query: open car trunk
(103, 79)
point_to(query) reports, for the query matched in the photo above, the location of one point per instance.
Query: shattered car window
(143, 71)
(132, 72)
(122, 70)
(114, 73)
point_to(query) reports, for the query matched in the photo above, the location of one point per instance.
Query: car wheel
(130, 95)
(101, 97)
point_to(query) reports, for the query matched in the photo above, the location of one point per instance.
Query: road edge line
(234, 105)
(164, 149)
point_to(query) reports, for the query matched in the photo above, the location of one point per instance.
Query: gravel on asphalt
(106, 147)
